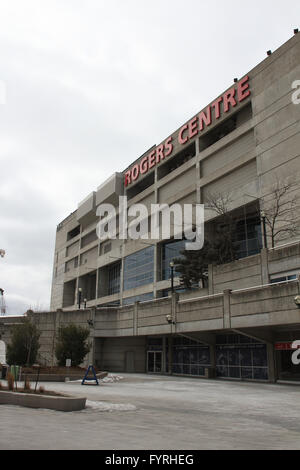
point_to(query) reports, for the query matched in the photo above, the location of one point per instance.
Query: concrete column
(93, 312)
(135, 317)
(122, 276)
(155, 269)
(272, 369)
(97, 281)
(76, 292)
(156, 266)
(212, 352)
(170, 354)
(264, 266)
(226, 309)
(164, 359)
(91, 354)
(210, 279)
(198, 187)
(55, 330)
(198, 172)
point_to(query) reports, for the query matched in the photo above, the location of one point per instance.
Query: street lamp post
(85, 301)
(79, 297)
(263, 218)
(172, 276)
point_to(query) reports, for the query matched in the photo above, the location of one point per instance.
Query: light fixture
(296, 31)
(235, 80)
(170, 320)
(263, 218)
(297, 300)
(269, 52)
(79, 297)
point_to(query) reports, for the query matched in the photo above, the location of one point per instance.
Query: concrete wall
(121, 354)
(240, 297)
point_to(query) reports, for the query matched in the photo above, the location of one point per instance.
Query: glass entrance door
(154, 362)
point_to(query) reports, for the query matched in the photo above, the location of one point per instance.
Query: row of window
(237, 356)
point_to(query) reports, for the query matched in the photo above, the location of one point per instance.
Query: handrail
(200, 297)
(278, 247)
(261, 286)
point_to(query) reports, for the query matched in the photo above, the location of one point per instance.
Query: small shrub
(10, 381)
(24, 345)
(72, 344)
(41, 389)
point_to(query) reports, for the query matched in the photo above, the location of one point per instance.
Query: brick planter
(32, 400)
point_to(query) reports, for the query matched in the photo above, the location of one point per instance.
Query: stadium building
(242, 149)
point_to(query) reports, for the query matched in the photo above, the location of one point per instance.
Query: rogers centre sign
(197, 124)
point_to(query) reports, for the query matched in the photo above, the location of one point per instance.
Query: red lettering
(243, 89)
(205, 118)
(229, 98)
(216, 105)
(135, 172)
(168, 146)
(144, 165)
(160, 153)
(182, 140)
(151, 159)
(127, 178)
(193, 127)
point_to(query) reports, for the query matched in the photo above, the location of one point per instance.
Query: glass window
(169, 252)
(114, 279)
(246, 361)
(260, 356)
(139, 268)
(138, 298)
(190, 357)
(248, 238)
(284, 278)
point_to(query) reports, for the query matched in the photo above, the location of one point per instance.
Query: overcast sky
(90, 85)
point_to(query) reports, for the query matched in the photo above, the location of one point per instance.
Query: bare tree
(281, 211)
(224, 235)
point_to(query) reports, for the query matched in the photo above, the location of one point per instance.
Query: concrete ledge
(31, 400)
(51, 377)
(58, 377)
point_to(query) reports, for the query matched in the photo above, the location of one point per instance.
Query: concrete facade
(262, 146)
(239, 145)
(266, 313)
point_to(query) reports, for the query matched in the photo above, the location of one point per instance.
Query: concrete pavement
(156, 412)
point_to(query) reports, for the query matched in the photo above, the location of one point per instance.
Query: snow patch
(106, 406)
(111, 378)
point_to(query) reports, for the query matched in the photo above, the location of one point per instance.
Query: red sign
(197, 124)
(284, 346)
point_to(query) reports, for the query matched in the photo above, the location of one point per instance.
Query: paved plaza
(138, 411)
